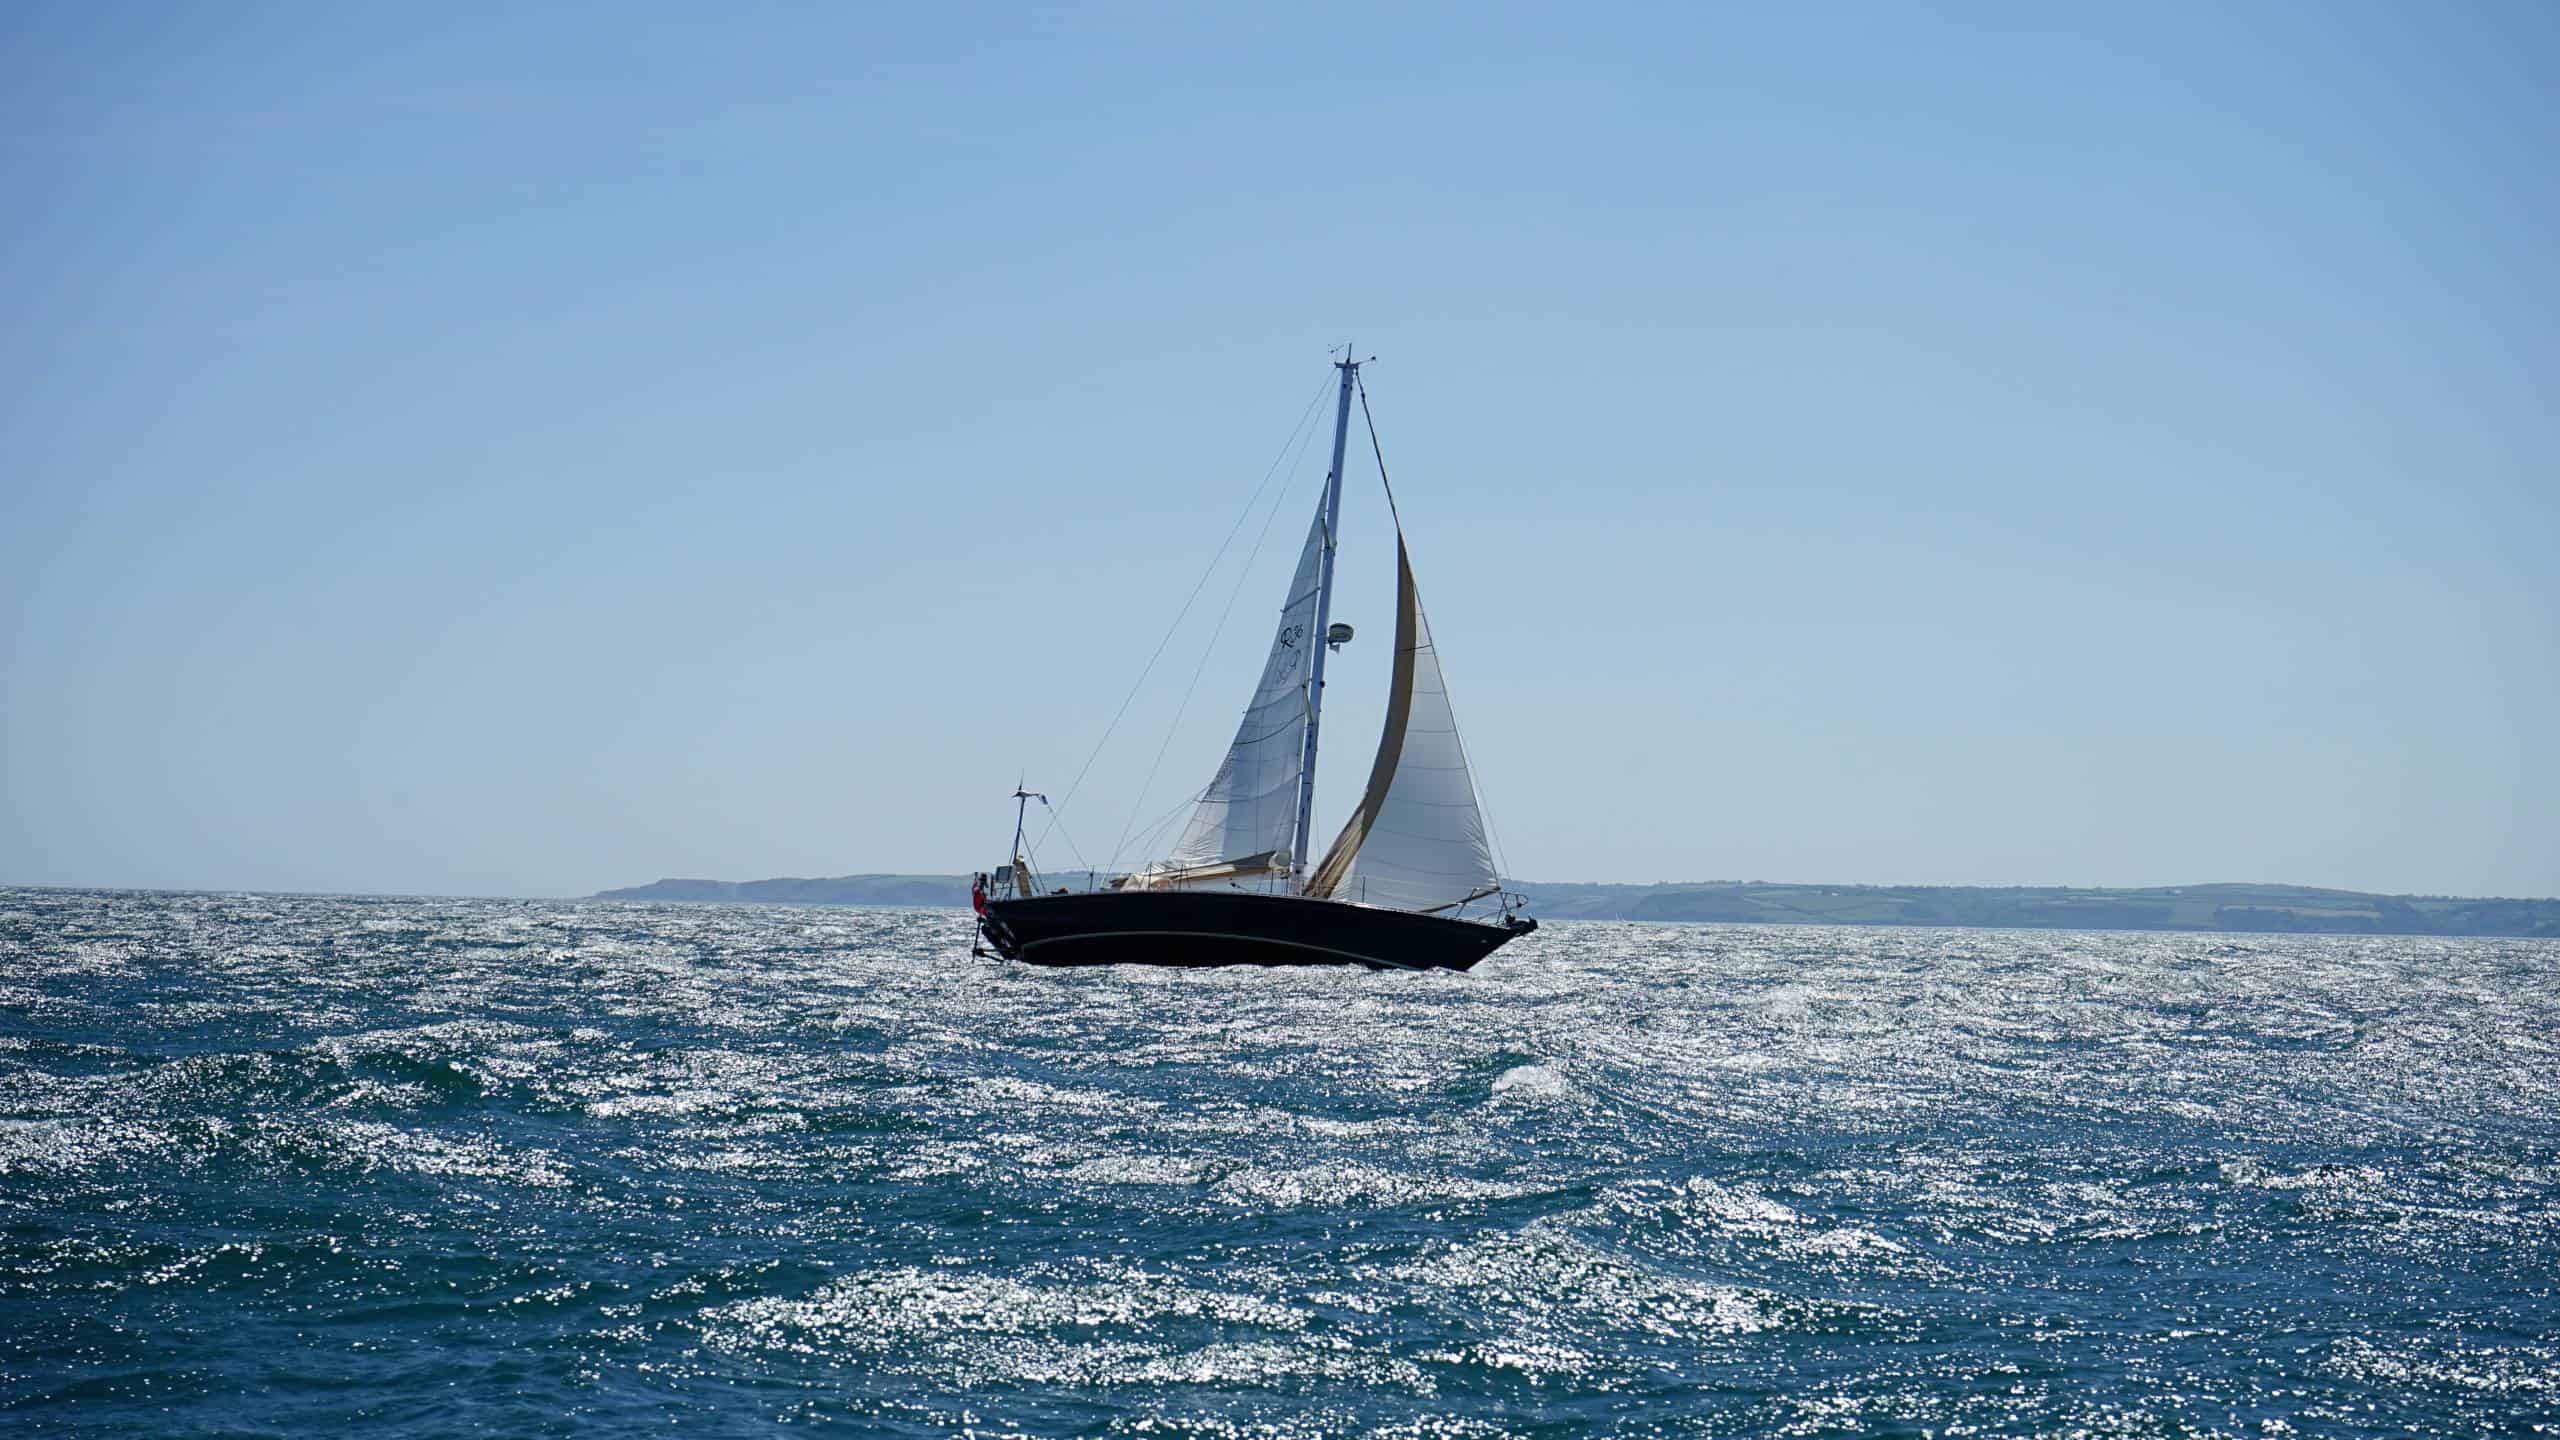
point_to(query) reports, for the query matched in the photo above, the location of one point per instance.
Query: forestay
(1417, 840)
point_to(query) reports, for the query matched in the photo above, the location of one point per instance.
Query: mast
(1022, 799)
(1298, 843)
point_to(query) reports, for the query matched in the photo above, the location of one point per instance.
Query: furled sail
(1417, 840)
(1249, 811)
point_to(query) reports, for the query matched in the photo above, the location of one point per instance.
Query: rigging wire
(1145, 840)
(1058, 824)
(1375, 449)
(1493, 832)
(1243, 573)
(1294, 442)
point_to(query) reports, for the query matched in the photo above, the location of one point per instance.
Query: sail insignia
(1251, 807)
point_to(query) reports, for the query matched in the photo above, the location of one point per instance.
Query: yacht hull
(1233, 927)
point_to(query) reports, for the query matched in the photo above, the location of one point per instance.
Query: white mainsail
(1250, 810)
(1417, 841)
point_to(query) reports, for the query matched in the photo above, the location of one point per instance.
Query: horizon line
(393, 894)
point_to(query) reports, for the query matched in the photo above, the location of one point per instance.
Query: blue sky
(520, 450)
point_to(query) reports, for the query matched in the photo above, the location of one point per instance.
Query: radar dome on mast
(1337, 636)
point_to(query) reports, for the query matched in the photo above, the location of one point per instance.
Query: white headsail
(1250, 810)
(1418, 839)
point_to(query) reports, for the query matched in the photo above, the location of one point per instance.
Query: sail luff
(1328, 876)
(1302, 833)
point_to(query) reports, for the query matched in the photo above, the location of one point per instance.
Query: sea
(281, 1165)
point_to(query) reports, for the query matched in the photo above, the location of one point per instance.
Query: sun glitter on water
(397, 1167)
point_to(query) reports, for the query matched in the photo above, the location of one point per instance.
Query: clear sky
(523, 449)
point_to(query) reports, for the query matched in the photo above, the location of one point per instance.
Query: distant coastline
(2261, 909)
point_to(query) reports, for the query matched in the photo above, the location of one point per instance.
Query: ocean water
(320, 1166)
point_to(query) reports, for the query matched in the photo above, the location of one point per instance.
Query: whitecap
(1540, 1082)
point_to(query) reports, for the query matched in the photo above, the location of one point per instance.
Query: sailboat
(1408, 884)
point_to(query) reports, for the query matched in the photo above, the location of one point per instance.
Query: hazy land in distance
(2286, 909)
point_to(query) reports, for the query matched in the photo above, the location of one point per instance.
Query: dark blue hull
(1233, 927)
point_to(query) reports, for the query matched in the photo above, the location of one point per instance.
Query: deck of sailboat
(1234, 927)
